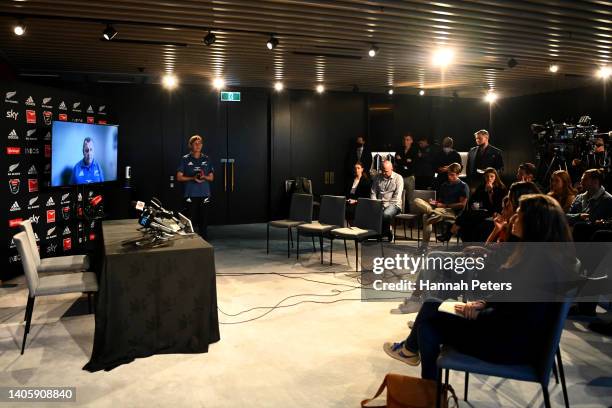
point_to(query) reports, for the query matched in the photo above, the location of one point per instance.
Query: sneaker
(433, 218)
(408, 306)
(399, 352)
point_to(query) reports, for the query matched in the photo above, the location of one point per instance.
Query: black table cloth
(153, 301)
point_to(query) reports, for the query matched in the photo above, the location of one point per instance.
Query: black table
(153, 301)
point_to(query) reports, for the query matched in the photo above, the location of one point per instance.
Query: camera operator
(591, 208)
(596, 159)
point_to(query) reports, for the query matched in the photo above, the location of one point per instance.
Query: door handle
(232, 161)
(224, 161)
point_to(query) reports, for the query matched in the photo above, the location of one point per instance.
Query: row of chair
(68, 276)
(367, 223)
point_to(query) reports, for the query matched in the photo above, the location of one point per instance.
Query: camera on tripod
(558, 144)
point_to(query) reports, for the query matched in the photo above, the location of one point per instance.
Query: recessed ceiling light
(604, 72)
(443, 57)
(170, 81)
(320, 88)
(390, 91)
(278, 86)
(19, 29)
(421, 92)
(210, 38)
(553, 68)
(490, 97)
(219, 83)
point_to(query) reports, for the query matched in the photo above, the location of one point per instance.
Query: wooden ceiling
(320, 42)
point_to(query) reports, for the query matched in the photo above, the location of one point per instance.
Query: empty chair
(300, 212)
(538, 371)
(368, 224)
(59, 263)
(49, 285)
(331, 216)
(403, 216)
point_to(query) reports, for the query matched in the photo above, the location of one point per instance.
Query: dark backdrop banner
(25, 133)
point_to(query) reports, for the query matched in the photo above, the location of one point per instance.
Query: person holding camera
(196, 172)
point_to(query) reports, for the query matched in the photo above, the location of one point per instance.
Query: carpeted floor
(326, 352)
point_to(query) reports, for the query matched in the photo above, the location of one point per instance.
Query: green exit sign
(230, 96)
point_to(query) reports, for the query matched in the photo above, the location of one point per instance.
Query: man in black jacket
(359, 152)
(446, 156)
(483, 155)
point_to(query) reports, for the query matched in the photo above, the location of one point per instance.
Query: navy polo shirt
(190, 166)
(82, 174)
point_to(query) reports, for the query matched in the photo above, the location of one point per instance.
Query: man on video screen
(87, 170)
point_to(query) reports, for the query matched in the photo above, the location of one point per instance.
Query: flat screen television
(83, 153)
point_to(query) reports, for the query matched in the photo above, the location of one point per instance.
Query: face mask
(599, 144)
(447, 150)
(359, 144)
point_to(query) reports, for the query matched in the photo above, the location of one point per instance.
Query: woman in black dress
(358, 188)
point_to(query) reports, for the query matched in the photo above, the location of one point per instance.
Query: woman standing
(196, 171)
(561, 189)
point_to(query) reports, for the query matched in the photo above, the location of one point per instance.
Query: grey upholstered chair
(55, 264)
(49, 285)
(367, 224)
(300, 212)
(331, 216)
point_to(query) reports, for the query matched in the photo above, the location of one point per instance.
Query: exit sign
(230, 96)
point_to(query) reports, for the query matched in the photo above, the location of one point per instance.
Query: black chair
(367, 224)
(414, 216)
(300, 212)
(538, 371)
(331, 216)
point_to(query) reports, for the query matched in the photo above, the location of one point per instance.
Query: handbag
(411, 392)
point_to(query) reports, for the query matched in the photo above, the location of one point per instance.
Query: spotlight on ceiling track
(390, 91)
(490, 97)
(421, 92)
(210, 38)
(272, 42)
(109, 32)
(170, 81)
(553, 68)
(219, 83)
(278, 86)
(443, 57)
(373, 51)
(19, 29)
(320, 88)
(604, 72)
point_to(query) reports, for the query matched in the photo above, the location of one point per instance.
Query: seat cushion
(67, 283)
(64, 263)
(406, 216)
(285, 223)
(353, 232)
(316, 227)
(454, 360)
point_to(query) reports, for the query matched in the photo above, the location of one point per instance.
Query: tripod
(557, 162)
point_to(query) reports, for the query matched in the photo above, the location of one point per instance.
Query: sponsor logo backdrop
(25, 136)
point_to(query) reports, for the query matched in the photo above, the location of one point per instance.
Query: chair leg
(268, 239)
(345, 250)
(288, 248)
(465, 386)
(331, 250)
(321, 247)
(439, 389)
(554, 370)
(29, 313)
(356, 256)
(297, 255)
(314, 247)
(446, 374)
(89, 302)
(291, 236)
(562, 375)
(546, 396)
(394, 229)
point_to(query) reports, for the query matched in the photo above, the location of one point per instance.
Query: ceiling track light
(210, 38)
(553, 68)
(272, 42)
(373, 51)
(19, 29)
(109, 32)
(390, 91)
(421, 92)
